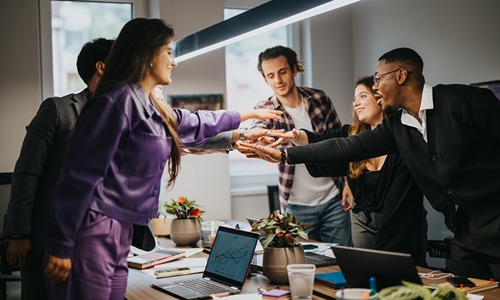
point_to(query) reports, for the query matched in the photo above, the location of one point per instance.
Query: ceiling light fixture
(265, 17)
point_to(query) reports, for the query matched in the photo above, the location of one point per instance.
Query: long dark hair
(134, 49)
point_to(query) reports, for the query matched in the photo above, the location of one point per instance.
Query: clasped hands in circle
(263, 143)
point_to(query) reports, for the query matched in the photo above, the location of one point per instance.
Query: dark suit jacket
(38, 166)
(460, 164)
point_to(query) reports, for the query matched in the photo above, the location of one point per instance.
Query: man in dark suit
(37, 170)
(449, 137)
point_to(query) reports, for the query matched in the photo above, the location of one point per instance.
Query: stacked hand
(260, 150)
(258, 136)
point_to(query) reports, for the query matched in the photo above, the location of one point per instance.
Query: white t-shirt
(307, 190)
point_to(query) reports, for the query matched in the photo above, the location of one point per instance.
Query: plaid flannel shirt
(323, 117)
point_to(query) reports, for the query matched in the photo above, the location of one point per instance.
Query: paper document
(240, 297)
(195, 265)
(321, 248)
(188, 251)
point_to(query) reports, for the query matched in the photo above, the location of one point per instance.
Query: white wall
(204, 178)
(20, 87)
(332, 57)
(457, 39)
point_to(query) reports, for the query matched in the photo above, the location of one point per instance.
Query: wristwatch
(242, 134)
(18, 237)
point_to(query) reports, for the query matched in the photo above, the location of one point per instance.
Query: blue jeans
(329, 222)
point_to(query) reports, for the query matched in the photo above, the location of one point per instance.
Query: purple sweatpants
(99, 265)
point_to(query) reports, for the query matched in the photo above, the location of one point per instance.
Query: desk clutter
(155, 257)
(479, 285)
(169, 268)
(226, 269)
(334, 280)
(276, 295)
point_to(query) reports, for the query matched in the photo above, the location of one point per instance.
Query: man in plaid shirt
(316, 201)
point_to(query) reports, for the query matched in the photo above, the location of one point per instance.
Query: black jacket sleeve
(327, 170)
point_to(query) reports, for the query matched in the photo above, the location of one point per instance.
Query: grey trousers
(363, 234)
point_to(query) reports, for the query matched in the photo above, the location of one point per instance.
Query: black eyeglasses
(376, 78)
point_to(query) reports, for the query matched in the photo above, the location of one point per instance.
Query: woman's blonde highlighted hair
(357, 168)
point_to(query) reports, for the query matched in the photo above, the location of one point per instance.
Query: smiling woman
(128, 138)
(384, 193)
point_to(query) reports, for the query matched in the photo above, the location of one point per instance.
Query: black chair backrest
(273, 195)
(5, 182)
(5, 178)
(143, 238)
(439, 248)
(5, 269)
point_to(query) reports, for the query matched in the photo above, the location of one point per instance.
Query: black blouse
(392, 191)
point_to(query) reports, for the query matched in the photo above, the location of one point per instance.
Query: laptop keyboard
(204, 286)
(319, 260)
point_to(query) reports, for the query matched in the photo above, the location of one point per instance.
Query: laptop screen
(230, 257)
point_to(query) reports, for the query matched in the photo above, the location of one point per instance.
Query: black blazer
(460, 164)
(38, 166)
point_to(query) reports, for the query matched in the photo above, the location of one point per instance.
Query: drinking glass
(301, 280)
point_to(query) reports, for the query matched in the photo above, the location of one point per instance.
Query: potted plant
(278, 236)
(185, 229)
(412, 291)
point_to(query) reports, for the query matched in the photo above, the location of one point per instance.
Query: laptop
(388, 268)
(226, 269)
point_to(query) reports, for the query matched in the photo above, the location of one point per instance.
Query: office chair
(142, 238)
(273, 198)
(5, 269)
(440, 249)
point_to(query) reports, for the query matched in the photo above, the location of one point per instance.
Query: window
(245, 87)
(66, 26)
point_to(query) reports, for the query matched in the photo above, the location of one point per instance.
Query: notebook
(226, 269)
(388, 268)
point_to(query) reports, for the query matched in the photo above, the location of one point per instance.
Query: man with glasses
(449, 137)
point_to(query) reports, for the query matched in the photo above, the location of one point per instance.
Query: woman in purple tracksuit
(111, 175)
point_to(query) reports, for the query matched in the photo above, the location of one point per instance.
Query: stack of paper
(179, 267)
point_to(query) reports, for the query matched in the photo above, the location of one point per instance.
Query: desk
(139, 284)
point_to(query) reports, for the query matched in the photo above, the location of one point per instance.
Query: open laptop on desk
(226, 269)
(388, 268)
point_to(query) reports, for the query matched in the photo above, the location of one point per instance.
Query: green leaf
(269, 238)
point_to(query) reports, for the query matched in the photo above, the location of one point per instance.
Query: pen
(220, 295)
(373, 288)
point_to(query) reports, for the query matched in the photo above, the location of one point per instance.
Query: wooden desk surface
(139, 284)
